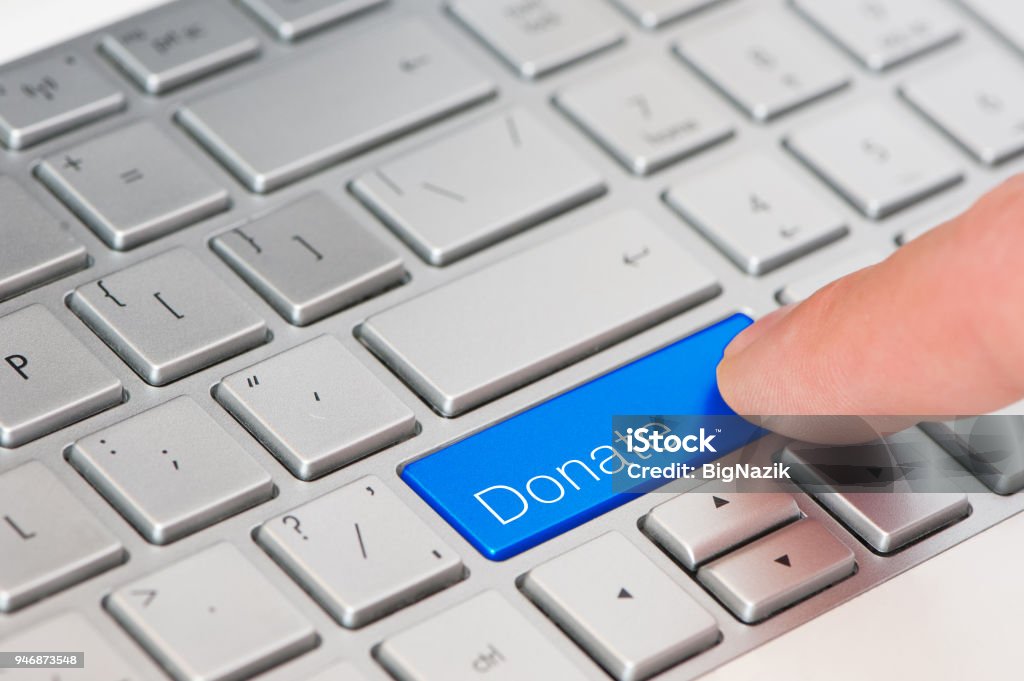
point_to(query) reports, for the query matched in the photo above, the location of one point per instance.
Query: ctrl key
(485, 637)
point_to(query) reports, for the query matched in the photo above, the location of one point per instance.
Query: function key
(45, 97)
(179, 44)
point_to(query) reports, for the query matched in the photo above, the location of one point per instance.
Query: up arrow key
(783, 560)
(624, 594)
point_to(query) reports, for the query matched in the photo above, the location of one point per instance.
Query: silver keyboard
(172, 187)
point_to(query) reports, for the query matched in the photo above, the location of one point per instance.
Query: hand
(935, 329)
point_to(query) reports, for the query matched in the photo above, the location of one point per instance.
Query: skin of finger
(934, 329)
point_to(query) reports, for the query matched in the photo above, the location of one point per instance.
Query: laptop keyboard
(258, 257)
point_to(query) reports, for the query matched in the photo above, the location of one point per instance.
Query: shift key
(543, 308)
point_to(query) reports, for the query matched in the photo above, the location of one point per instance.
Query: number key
(976, 101)
(883, 33)
(757, 211)
(766, 62)
(875, 156)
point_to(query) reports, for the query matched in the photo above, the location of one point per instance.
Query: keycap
(954, 210)
(653, 14)
(976, 102)
(536, 37)
(805, 287)
(512, 173)
(48, 379)
(991, 447)
(647, 114)
(876, 158)
(778, 571)
(755, 209)
(132, 186)
(360, 552)
(44, 97)
(168, 316)
(316, 407)
(171, 471)
(766, 62)
(883, 33)
(310, 259)
(916, 496)
(569, 475)
(295, 19)
(442, 342)
(621, 608)
(1004, 18)
(318, 110)
(216, 595)
(70, 632)
(342, 671)
(697, 526)
(484, 635)
(37, 247)
(178, 44)
(48, 539)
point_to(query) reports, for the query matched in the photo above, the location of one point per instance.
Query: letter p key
(18, 363)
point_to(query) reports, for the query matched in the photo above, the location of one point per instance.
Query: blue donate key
(482, 485)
